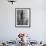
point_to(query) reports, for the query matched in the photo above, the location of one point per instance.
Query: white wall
(8, 31)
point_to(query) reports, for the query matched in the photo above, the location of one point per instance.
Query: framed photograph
(22, 17)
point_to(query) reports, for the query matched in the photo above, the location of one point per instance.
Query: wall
(8, 31)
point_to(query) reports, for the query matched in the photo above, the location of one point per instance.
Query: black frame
(29, 18)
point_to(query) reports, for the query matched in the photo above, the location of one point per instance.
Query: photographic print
(22, 17)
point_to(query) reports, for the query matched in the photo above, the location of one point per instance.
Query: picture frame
(22, 17)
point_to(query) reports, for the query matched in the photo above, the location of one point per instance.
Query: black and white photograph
(22, 17)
